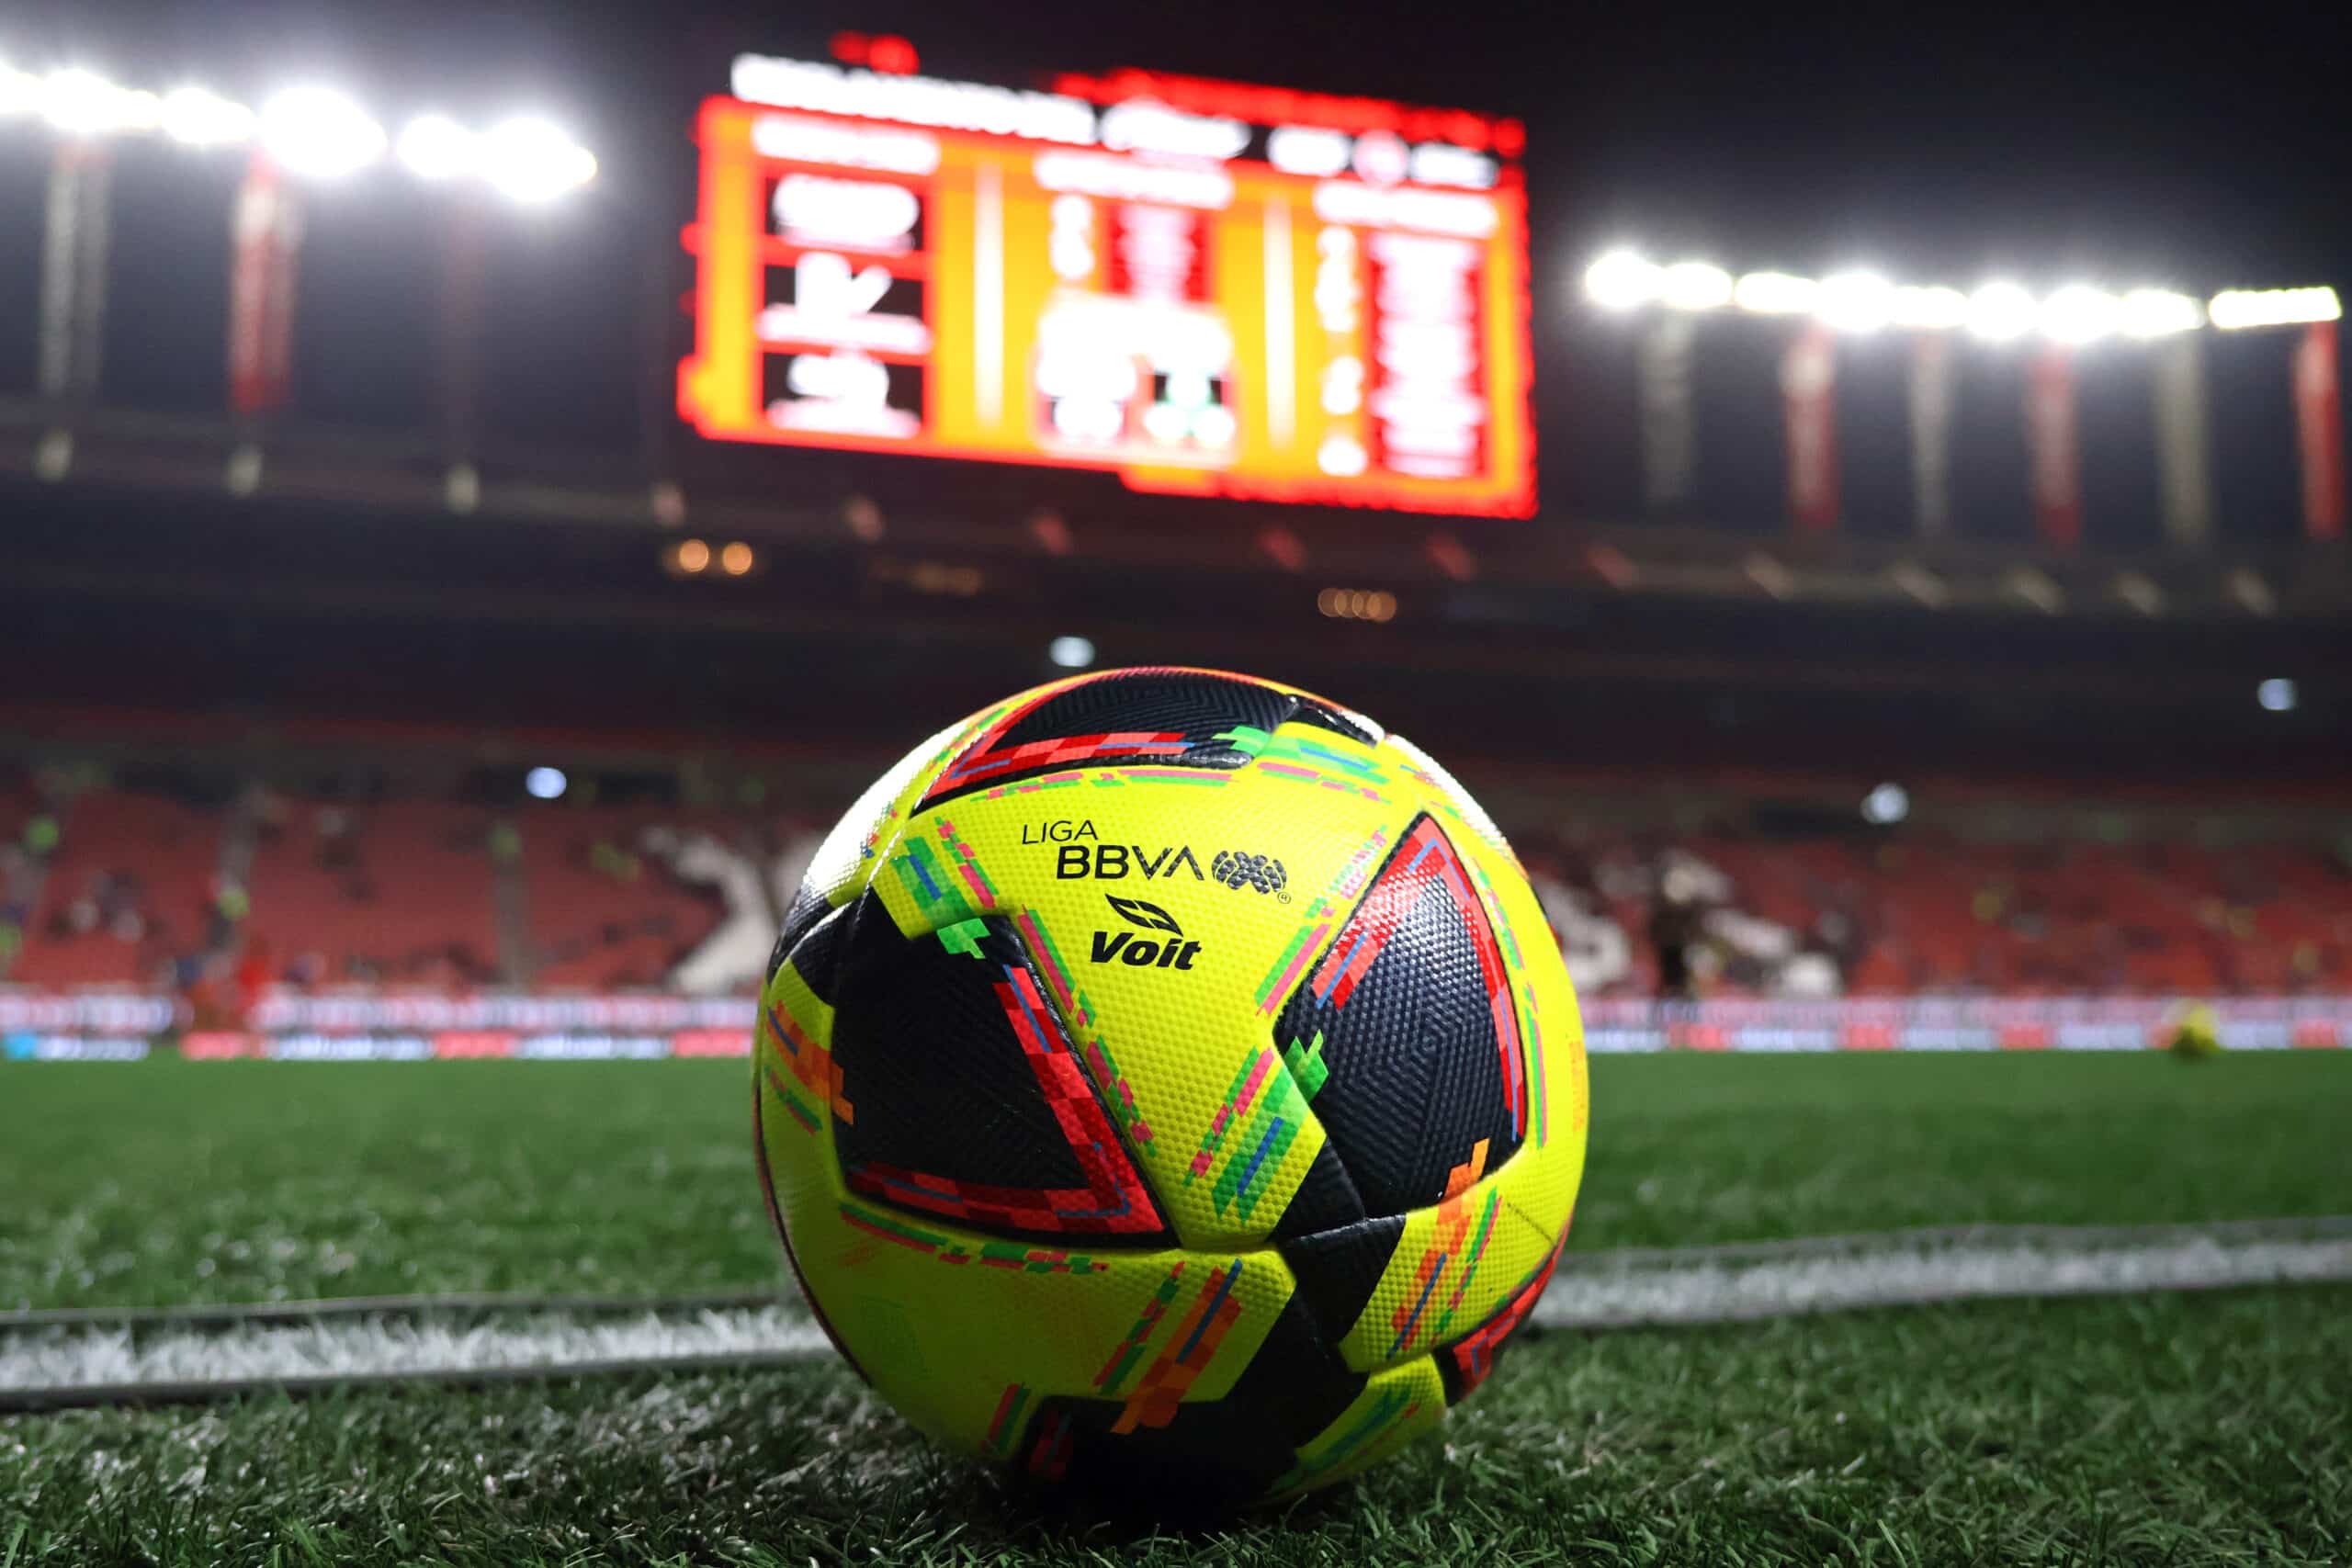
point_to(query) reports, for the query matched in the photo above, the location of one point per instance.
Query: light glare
(2080, 313)
(1775, 294)
(82, 103)
(19, 91)
(1695, 286)
(1070, 653)
(309, 131)
(1930, 308)
(2273, 307)
(2159, 312)
(1855, 301)
(317, 131)
(195, 117)
(531, 161)
(1623, 281)
(1886, 805)
(2276, 694)
(434, 147)
(545, 784)
(2000, 312)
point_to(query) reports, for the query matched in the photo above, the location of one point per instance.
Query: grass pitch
(166, 1182)
(2173, 1429)
(2180, 1429)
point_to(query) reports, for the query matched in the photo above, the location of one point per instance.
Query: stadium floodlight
(2001, 312)
(545, 784)
(2276, 694)
(1775, 294)
(2273, 307)
(318, 131)
(19, 91)
(82, 103)
(531, 161)
(1886, 805)
(2160, 312)
(1695, 286)
(195, 117)
(1933, 308)
(2080, 313)
(1855, 301)
(1071, 652)
(1623, 281)
(434, 147)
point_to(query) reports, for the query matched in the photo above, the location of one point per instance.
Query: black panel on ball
(1418, 1071)
(809, 907)
(1325, 1200)
(1211, 1456)
(1322, 715)
(1132, 719)
(1192, 703)
(816, 951)
(963, 1099)
(1337, 1270)
(936, 1080)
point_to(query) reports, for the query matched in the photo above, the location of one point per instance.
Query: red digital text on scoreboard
(1201, 286)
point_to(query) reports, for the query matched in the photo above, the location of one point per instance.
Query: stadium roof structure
(1420, 564)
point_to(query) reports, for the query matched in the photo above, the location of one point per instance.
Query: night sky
(1938, 145)
(2210, 145)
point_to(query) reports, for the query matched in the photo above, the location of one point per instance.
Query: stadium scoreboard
(1201, 286)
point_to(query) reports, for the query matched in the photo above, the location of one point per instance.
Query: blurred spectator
(1675, 932)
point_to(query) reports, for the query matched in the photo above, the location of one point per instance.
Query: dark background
(1936, 144)
(1933, 144)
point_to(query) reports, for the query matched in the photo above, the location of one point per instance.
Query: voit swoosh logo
(1151, 917)
(1170, 951)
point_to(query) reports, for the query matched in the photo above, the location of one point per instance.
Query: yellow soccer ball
(2194, 1034)
(1166, 1083)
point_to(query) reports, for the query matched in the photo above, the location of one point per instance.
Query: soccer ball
(1166, 1084)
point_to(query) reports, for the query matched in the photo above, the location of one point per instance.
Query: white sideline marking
(375, 1348)
(1675, 1286)
(1743, 1284)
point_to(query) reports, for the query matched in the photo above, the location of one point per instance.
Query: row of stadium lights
(1996, 313)
(695, 558)
(313, 131)
(1335, 603)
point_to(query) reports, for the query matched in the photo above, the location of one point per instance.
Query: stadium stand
(400, 891)
(607, 909)
(1924, 912)
(27, 829)
(127, 886)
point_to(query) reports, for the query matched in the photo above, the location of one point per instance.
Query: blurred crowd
(217, 897)
(1927, 912)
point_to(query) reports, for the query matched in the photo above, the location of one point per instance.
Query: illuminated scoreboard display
(1201, 286)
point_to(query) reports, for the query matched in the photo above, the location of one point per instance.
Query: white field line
(1741, 1285)
(44, 1366)
(117, 1357)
